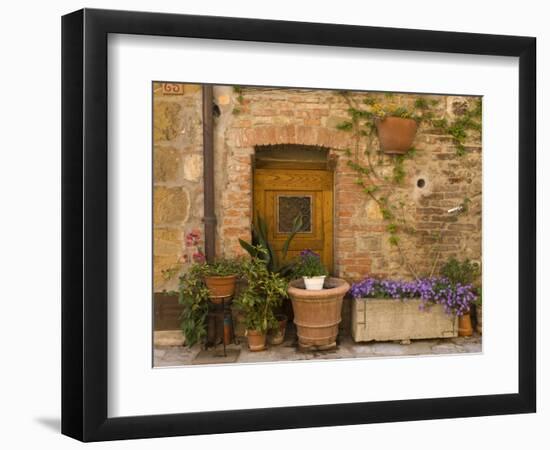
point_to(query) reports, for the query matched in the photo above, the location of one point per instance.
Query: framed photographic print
(273, 224)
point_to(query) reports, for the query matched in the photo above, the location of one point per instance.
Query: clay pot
(396, 134)
(277, 337)
(314, 283)
(220, 287)
(317, 314)
(256, 340)
(465, 325)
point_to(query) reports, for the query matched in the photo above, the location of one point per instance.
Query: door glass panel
(290, 206)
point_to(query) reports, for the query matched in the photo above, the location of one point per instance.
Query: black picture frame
(84, 224)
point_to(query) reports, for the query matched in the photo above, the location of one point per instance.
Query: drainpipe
(208, 173)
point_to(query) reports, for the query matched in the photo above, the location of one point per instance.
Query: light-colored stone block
(166, 120)
(395, 320)
(192, 167)
(166, 164)
(170, 205)
(169, 338)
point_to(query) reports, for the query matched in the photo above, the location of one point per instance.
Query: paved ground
(288, 351)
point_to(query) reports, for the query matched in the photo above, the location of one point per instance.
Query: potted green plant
(317, 312)
(220, 278)
(311, 269)
(396, 128)
(261, 248)
(276, 336)
(395, 124)
(263, 293)
(461, 273)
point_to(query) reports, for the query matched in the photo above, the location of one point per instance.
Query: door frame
(329, 166)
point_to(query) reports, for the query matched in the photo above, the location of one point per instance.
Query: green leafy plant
(263, 293)
(373, 110)
(478, 301)
(469, 120)
(221, 267)
(240, 99)
(261, 248)
(193, 296)
(460, 272)
(309, 265)
(383, 187)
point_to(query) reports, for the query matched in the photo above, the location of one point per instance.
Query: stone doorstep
(168, 338)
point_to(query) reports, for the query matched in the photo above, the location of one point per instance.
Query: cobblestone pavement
(288, 351)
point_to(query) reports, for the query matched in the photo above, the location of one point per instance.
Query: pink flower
(199, 257)
(192, 238)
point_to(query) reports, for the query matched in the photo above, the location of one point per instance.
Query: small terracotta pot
(220, 287)
(396, 134)
(256, 340)
(465, 325)
(277, 337)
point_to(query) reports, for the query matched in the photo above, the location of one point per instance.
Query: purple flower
(307, 253)
(456, 299)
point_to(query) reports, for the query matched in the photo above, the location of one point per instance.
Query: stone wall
(177, 178)
(261, 116)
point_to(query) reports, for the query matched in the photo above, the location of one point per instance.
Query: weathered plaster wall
(260, 116)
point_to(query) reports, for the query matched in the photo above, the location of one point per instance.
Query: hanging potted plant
(310, 268)
(396, 129)
(263, 293)
(317, 312)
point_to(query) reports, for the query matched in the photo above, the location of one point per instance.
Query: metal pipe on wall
(208, 173)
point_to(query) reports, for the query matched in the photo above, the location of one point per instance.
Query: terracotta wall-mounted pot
(396, 134)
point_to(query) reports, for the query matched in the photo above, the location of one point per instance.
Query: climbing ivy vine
(382, 187)
(240, 99)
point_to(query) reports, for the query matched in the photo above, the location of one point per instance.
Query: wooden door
(281, 194)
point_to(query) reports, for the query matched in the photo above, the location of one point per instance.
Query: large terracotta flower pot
(317, 314)
(220, 287)
(256, 340)
(396, 134)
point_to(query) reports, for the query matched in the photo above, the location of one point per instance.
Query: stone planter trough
(385, 319)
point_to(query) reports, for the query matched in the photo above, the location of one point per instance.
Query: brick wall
(259, 116)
